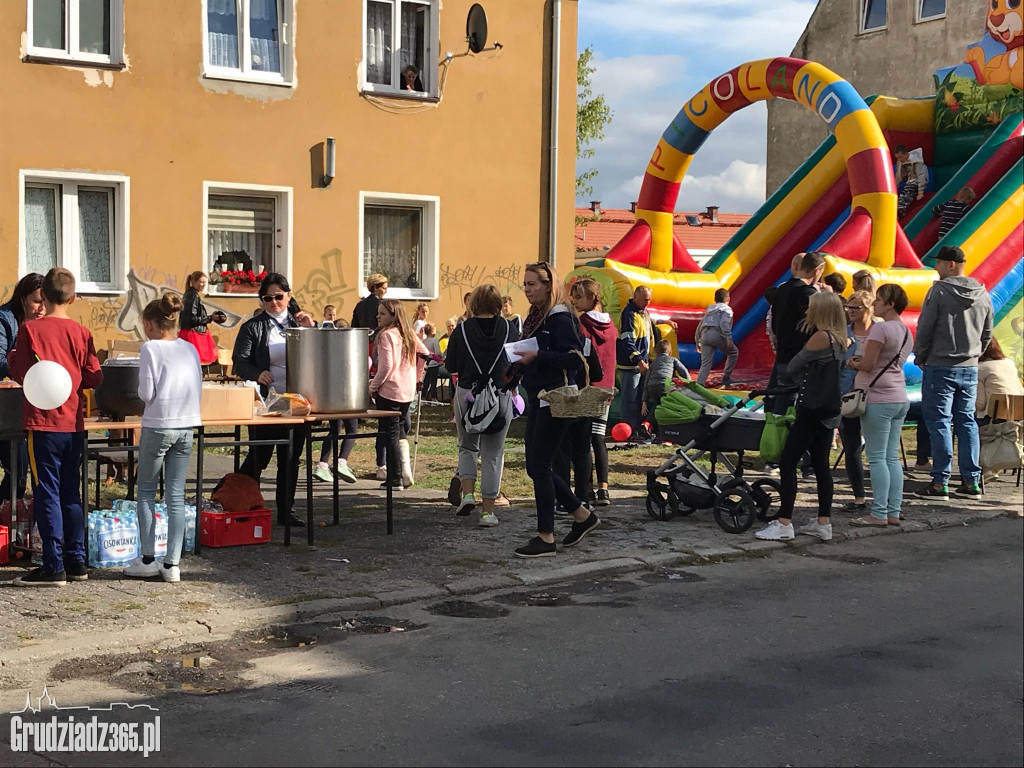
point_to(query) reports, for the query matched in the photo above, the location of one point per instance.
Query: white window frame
(430, 219)
(67, 222)
(430, 69)
(862, 20)
(920, 11)
(70, 51)
(283, 197)
(245, 73)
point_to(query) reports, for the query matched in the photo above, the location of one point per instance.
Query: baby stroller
(688, 487)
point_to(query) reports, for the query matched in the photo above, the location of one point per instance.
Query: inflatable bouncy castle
(843, 199)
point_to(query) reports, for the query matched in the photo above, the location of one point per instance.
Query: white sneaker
(488, 520)
(171, 575)
(382, 473)
(137, 569)
(776, 531)
(814, 528)
(771, 471)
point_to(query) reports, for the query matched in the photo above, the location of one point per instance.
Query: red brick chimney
(632, 207)
(712, 213)
(595, 206)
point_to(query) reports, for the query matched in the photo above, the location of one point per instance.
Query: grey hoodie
(955, 324)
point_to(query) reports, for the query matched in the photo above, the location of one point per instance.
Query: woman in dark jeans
(259, 355)
(858, 313)
(814, 425)
(552, 323)
(26, 304)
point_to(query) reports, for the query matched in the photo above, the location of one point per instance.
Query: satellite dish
(476, 28)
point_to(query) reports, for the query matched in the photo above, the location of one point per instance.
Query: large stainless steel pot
(117, 396)
(329, 367)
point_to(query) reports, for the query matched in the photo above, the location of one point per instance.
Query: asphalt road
(892, 650)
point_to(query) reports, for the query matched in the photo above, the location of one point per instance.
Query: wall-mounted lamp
(329, 172)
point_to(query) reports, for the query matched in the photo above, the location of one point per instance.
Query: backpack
(486, 414)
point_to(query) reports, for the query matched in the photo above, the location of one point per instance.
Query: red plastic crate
(235, 529)
(3, 544)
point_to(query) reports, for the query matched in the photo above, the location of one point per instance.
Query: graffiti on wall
(325, 285)
(455, 281)
(140, 293)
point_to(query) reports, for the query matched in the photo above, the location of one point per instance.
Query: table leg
(287, 451)
(309, 484)
(129, 441)
(388, 454)
(238, 448)
(85, 487)
(334, 467)
(200, 448)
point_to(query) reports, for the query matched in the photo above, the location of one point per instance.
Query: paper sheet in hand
(514, 349)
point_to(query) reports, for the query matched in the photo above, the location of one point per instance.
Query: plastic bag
(774, 434)
(1000, 446)
(287, 404)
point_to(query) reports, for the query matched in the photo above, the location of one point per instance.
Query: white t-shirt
(170, 384)
(277, 349)
(418, 326)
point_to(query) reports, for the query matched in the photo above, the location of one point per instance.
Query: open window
(249, 40)
(872, 15)
(76, 31)
(399, 238)
(400, 40)
(75, 221)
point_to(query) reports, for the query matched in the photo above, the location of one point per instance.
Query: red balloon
(621, 432)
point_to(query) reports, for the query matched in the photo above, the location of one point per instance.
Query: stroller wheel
(735, 510)
(657, 508)
(767, 495)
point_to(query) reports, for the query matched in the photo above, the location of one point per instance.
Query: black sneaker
(807, 473)
(971, 491)
(603, 498)
(40, 577)
(537, 547)
(294, 520)
(455, 491)
(579, 530)
(933, 492)
(396, 485)
(855, 506)
(76, 571)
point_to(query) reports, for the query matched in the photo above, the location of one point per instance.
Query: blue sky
(653, 55)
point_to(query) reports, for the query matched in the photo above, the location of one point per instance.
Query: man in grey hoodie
(954, 329)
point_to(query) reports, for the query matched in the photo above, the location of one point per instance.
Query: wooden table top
(94, 424)
(371, 414)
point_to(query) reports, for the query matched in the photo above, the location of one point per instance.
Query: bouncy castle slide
(842, 201)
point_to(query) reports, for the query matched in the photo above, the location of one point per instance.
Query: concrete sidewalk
(356, 567)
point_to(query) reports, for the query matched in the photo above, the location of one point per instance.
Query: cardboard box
(225, 401)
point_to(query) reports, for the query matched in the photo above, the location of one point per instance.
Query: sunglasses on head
(272, 297)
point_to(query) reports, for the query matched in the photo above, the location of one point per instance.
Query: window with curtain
(241, 229)
(399, 35)
(393, 244)
(930, 9)
(83, 30)
(72, 225)
(248, 38)
(873, 16)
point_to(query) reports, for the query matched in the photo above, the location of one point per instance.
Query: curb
(165, 636)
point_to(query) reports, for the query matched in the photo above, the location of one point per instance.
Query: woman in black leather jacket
(193, 320)
(259, 356)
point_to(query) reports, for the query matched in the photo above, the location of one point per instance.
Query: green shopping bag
(773, 437)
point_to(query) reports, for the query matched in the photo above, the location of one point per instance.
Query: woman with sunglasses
(259, 355)
(552, 322)
(859, 319)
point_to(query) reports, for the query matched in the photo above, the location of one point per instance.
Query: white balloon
(47, 385)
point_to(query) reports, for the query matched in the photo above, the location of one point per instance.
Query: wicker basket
(571, 403)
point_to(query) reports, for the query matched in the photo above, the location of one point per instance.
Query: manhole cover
(464, 609)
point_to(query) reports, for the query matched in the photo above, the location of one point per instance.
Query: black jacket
(193, 316)
(365, 314)
(558, 341)
(788, 311)
(251, 355)
(486, 336)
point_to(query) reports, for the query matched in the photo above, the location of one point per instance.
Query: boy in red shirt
(56, 436)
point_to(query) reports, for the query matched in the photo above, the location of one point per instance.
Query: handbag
(855, 402)
(774, 434)
(570, 402)
(1000, 446)
(820, 388)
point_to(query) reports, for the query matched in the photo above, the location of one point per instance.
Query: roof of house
(612, 223)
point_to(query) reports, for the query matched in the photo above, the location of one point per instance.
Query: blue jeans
(631, 393)
(881, 424)
(56, 463)
(948, 396)
(171, 449)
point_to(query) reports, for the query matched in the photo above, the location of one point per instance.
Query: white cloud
(626, 76)
(740, 187)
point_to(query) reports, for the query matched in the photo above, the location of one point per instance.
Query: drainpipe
(556, 60)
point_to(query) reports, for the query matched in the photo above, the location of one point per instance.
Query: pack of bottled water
(114, 539)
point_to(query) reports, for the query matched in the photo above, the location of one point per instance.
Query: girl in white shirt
(170, 384)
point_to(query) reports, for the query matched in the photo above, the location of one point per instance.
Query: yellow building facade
(142, 140)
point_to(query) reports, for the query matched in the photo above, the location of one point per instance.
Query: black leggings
(597, 430)
(575, 451)
(391, 431)
(806, 434)
(544, 436)
(351, 427)
(849, 432)
(287, 473)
